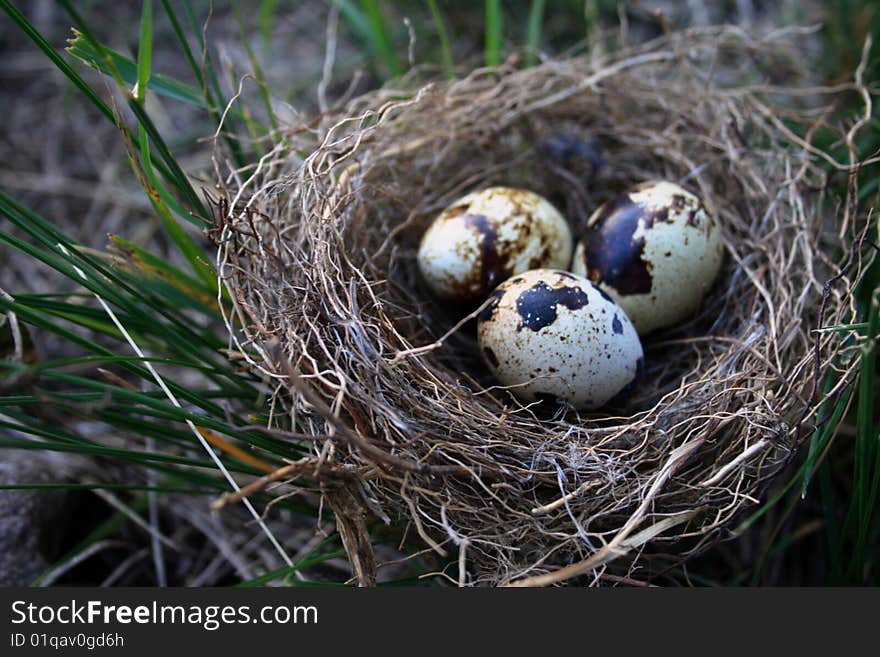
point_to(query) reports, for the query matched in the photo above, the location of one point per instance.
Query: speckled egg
(551, 334)
(486, 237)
(656, 250)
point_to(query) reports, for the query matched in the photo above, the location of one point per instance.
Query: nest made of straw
(318, 247)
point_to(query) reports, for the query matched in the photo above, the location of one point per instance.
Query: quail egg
(486, 237)
(548, 333)
(655, 250)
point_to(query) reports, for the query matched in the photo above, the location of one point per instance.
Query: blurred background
(61, 158)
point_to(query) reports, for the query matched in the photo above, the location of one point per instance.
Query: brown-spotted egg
(549, 333)
(488, 236)
(655, 249)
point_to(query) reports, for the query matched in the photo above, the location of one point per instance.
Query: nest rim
(320, 263)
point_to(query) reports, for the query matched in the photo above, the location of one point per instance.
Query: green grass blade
(156, 192)
(832, 530)
(152, 266)
(866, 449)
(533, 31)
(360, 27)
(19, 19)
(40, 315)
(302, 564)
(265, 20)
(356, 20)
(858, 326)
(22, 22)
(127, 455)
(210, 76)
(494, 32)
(149, 402)
(443, 36)
(180, 339)
(163, 85)
(210, 101)
(799, 475)
(255, 68)
(185, 490)
(592, 13)
(59, 253)
(160, 199)
(207, 76)
(145, 51)
(313, 557)
(870, 187)
(40, 321)
(379, 35)
(178, 178)
(181, 181)
(187, 51)
(211, 415)
(821, 436)
(185, 451)
(105, 361)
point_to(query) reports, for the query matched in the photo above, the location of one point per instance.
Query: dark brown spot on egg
(525, 228)
(616, 325)
(494, 268)
(455, 211)
(490, 356)
(541, 258)
(678, 201)
(492, 303)
(694, 218)
(659, 215)
(710, 220)
(520, 198)
(537, 305)
(613, 254)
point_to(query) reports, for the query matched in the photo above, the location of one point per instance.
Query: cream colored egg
(488, 236)
(549, 333)
(656, 250)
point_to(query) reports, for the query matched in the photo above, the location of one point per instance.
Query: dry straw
(317, 248)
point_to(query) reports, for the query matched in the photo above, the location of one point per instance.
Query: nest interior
(318, 247)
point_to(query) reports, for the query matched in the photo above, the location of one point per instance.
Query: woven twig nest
(318, 245)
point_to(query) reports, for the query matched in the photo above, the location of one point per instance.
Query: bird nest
(386, 386)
